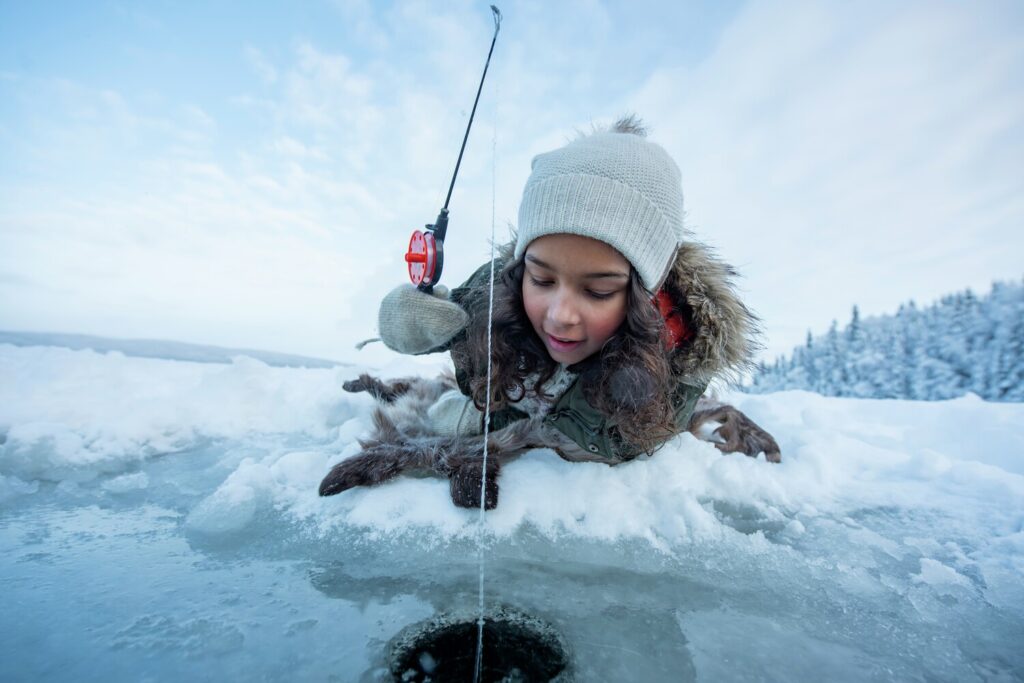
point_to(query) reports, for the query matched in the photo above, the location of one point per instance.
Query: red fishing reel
(425, 257)
(422, 257)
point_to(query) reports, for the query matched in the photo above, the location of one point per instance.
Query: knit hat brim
(604, 209)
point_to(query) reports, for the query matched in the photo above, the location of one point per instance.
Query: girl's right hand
(412, 321)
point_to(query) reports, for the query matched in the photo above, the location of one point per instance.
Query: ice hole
(516, 648)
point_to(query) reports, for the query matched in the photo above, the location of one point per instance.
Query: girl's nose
(563, 311)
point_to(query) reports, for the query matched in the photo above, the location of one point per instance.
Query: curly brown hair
(629, 380)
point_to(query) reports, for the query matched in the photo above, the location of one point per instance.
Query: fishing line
(487, 405)
(425, 260)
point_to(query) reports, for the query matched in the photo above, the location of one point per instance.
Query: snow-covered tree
(959, 344)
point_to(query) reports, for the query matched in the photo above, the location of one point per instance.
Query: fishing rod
(426, 247)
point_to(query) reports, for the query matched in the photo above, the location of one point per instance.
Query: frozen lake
(159, 521)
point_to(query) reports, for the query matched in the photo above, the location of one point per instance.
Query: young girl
(608, 324)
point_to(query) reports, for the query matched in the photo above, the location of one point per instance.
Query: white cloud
(290, 147)
(260, 64)
(851, 154)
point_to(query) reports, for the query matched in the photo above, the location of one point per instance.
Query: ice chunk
(11, 487)
(939, 575)
(127, 482)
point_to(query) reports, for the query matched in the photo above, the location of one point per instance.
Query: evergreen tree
(961, 343)
(806, 363)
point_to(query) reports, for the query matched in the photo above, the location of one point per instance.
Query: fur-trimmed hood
(725, 331)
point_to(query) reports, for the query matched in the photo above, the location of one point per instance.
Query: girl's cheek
(607, 322)
(534, 305)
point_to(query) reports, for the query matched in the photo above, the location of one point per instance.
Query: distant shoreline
(162, 349)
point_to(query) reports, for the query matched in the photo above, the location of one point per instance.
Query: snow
(180, 500)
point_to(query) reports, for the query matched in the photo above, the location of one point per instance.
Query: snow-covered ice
(160, 520)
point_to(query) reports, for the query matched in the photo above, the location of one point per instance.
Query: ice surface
(160, 519)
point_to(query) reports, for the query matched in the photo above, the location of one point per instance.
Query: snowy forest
(963, 343)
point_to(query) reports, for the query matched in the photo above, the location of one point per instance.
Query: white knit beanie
(615, 187)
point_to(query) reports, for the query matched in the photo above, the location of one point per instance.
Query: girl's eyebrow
(589, 276)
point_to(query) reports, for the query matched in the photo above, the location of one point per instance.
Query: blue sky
(247, 174)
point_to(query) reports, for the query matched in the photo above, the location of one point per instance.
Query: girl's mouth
(562, 344)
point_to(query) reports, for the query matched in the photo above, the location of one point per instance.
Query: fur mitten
(381, 462)
(738, 432)
(411, 321)
(464, 483)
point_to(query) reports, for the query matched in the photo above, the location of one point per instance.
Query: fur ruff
(725, 330)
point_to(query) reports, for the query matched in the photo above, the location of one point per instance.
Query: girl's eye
(600, 295)
(539, 283)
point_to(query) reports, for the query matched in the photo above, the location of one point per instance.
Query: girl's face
(574, 292)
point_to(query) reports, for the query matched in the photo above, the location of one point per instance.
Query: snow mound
(71, 415)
